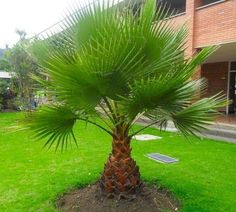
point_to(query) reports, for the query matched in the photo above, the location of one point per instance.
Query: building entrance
(232, 92)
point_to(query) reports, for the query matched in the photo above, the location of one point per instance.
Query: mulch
(90, 199)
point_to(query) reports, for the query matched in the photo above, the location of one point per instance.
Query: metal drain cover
(162, 158)
(146, 137)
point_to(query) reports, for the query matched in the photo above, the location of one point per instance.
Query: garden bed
(90, 199)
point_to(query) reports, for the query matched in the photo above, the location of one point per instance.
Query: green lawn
(32, 178)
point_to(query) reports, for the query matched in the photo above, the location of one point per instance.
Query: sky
(32, 16)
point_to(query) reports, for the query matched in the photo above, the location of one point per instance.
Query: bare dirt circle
(90, 199)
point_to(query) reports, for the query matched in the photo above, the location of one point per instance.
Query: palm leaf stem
(107, 113)
(110, 109)
(104, 120)
(98, 125)
(138, 131)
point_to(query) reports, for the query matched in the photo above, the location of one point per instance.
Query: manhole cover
(146, 137)
(162, 158)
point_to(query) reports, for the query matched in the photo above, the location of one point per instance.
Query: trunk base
(121, 176)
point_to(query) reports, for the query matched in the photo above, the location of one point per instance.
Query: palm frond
(198, 115)
(108, 51)
(127, 62)
(167, 93)
(54, 123)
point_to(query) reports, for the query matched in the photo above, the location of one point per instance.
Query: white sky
(33, 16)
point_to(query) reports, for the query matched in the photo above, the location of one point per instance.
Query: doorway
(232, 92)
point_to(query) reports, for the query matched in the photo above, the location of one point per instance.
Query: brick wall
(209, 25)
(215, 24)
(187, 18)
(217, 77)
(179, 19)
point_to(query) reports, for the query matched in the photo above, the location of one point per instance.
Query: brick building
(211, 22)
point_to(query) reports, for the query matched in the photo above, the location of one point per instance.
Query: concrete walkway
(220, 131)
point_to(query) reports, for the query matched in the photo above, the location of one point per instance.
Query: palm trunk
(121, 175)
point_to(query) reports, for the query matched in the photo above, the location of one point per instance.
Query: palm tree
(108, 68)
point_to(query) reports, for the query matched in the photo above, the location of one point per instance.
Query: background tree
(23, 65)
(5, 84)
(4, 64)
(108, 70)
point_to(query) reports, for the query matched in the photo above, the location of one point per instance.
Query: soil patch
(90, 199)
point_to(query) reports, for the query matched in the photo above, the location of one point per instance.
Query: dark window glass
(175, 6)
(233, 66)
(206, 2)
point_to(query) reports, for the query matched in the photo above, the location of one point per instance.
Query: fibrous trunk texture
(121, 175)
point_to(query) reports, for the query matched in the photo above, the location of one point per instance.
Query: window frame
(210, 4)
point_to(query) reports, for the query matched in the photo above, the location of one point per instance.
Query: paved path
(219, 131)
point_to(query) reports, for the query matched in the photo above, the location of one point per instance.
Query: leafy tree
(4, 64)
(23, 65)
(116, 68)
(4, 85)
(1, 52)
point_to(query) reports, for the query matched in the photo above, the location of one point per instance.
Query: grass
(31, 178)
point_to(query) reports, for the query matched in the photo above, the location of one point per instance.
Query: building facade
(211, 22)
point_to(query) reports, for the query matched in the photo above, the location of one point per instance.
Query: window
(233, 66)
(175, 6)
(206, 2)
